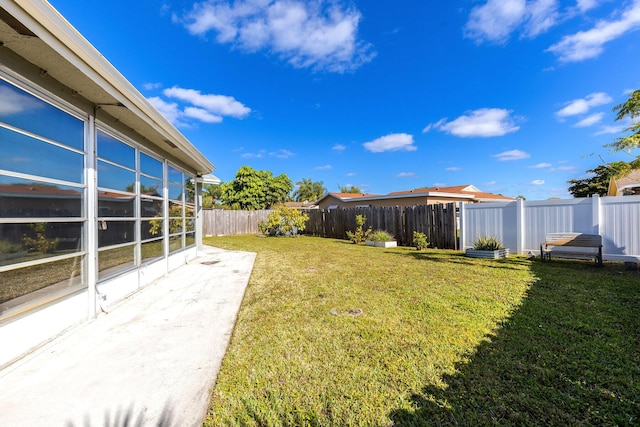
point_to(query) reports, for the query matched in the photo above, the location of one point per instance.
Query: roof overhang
(36, 32)
(412, 195)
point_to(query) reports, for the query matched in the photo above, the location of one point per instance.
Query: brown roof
(456, 189)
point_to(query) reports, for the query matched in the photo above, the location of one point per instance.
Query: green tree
(631, 110)
(352, 189)
(599, 183)
(252, 189)
(308, 190)
(210, 195)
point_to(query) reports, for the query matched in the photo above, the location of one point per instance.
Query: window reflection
(24, 111)
(20, 153)
(40, 280)
(116, 178)
(190, 239)
(116, 151)
(150, 207)
(38, 240)
(113, 260)
(175, 176)
(152, 250)
(150, 186)
(23, 198)
(175, 243)
(175, 192)
(151, 229)
(150, 166)
(115, 232)
(115, 204)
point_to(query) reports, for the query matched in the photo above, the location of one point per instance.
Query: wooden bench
(572, 245)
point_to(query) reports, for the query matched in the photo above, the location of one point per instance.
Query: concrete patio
(152, 360)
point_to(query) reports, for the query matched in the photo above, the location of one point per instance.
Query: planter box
(391, 244)
(501, 253)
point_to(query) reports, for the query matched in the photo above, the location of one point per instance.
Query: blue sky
(512, 96)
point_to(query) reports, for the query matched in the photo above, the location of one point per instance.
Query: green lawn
(334, 334)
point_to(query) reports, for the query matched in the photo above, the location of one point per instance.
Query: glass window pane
(175, 209)
(20, 153)
(28, 242)
(190, 195)
(21, 198)
(23, 110)
(150, 208)
(115, 205)
(190, 239)
(116, 151)
(189, 211)
(150, 186)
(175, 176)
(150, 166)
(190, 224)
(175, 192)
(175, 225)
(113, 260)
(175, 243)
(151, 229)
(115, 232)
(152, 250)
(116, 178)
(38, 281)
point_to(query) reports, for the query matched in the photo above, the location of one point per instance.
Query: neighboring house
(98, 190)
(422, 196)
(628, 185)
(301, 205)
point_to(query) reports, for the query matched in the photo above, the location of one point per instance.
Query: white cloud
(496, 20)
(339, 147)
(585, 5)
(260, 154)
(583, 105)
(566, 168)
(483, 123)
(317, 34)
(392, 142)
(214, 104)
(541, 166)
(350, 174)
(152, 86)
(202, 115)
(490, 183)
(453, 169)
(323, 168)
(590, 120)
(281, 154)
(14, 102)
(537, 182)
(606, 130)
(170, 110)
(405, 175)
(511, 155)
(194, 105)
(589, 44)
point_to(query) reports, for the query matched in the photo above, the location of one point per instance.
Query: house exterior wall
(90, 211)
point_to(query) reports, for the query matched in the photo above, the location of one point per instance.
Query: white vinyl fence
(522, 225)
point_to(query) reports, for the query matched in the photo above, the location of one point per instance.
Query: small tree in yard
(284, 221)
(420, 241)
(359, 235)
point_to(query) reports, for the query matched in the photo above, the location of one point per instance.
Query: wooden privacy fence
(217, 222)
(438, 222)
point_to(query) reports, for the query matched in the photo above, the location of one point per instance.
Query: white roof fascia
(405, 196)
(51, 27)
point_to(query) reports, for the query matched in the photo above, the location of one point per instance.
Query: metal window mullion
(42, 179)
(91, 228)
(137, 211)
(40, 138)
(16, 220)
(40, 261)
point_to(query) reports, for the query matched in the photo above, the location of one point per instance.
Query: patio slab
(151, 360)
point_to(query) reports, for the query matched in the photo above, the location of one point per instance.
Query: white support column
(595, 213)
(199, 213)
(91, 226)
(519, 226)
(463, 234)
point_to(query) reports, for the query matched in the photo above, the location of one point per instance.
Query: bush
(359, 235)
(6, 247)
(284, 221)
(487, 243)
(40, 242)
(380, 236)
(420, 241)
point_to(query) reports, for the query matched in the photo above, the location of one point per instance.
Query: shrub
(359, 235)
(420, 241)
(380, 236)
(284, 221)
(487, 243)
(6, 247)
(40, 242)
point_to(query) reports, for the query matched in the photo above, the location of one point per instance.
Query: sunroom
(98, 191)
